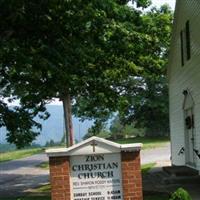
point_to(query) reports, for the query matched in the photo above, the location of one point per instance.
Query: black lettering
(80, 194)
(80, 176)
(101, 157)
(87, 158)
(74, 168)
(94, 158)
(115, 165)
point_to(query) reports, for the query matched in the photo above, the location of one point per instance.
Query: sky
(161, 2)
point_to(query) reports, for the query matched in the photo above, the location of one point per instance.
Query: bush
(180, 194)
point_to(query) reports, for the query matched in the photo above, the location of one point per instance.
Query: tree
(78, 51)
(146, 101)
(96, 129)
(102, 134)
(19, 125)
(51, 143)
(116, 128)
(120, 130)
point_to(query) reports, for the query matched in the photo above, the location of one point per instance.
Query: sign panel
(96, 177)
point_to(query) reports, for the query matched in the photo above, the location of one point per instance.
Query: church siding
(184, 77)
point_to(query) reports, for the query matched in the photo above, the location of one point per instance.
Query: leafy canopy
(146, 96)
(50, 48)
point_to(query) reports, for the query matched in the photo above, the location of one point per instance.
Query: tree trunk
(68, 120)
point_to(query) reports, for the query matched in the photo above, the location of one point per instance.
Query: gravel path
(17, 177)
(157, 155)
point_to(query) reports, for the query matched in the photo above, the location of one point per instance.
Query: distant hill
(6, 147)
(53, 128)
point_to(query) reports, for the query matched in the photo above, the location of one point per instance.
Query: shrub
(180, 194)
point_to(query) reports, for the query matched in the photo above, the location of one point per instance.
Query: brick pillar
(131, 176)
(60, 178)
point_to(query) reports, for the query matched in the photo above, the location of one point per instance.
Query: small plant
(180, 194)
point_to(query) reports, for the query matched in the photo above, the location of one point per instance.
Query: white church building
(184, 85)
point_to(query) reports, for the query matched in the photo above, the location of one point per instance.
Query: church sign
(96, 169)
(96, 177)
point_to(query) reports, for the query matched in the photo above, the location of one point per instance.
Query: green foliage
(19, 124)
(52, 143)
(116, 128)
(106, 55)
(98, 129)
(104, 134)
(180, 194)
(146, 102)
(120, 130)
(88, 54)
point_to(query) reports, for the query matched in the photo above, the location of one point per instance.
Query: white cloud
(161, 2)
(56, 102)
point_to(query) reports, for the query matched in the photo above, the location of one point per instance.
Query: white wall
(184, 77)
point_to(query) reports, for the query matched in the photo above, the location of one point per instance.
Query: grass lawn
(44, 188)
(12, 155)
(148, 143)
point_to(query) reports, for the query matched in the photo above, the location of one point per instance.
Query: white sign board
(96, 177)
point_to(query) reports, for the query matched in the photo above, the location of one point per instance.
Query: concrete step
(180, 171)
(181, 175)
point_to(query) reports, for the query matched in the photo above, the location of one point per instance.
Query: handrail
(197, 152)
(181, 151)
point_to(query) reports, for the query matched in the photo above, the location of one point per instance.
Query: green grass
(147, 167)
(148, 143)
(44, 188)
(12, 155)
(44, 165)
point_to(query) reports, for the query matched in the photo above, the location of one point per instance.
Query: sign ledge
(70, 151)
